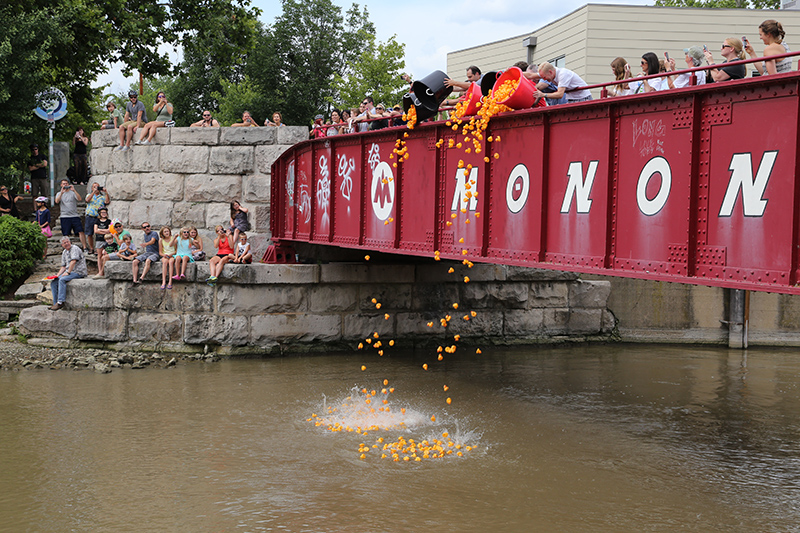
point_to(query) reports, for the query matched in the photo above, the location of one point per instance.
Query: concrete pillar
(737, 318)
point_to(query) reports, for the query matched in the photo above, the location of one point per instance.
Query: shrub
(21, 245)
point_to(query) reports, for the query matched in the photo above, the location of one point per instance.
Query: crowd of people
(112, 242)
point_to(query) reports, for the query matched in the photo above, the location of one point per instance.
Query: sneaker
(145, 142)
(125, 148)
(118, 148)
(138, 142)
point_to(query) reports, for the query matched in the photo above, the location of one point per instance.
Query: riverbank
(16, 356)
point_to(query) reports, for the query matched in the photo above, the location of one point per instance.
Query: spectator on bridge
(150, 253)
(379, 112)
(247, 121)
(771, 34)
(224, 245)
(163, 110)
(135, 118)
(97, 199)
(318, 129)
(564, 79)
(73, 265)
(622, 71)
(650, 66)
(365, 109)
(277, 120)
(114, 119)
(167, 248)
(473, 76)
(206, 122)
(694, 58)
(337, 126)
(731, 51)
(346, 115)
(68, 198)
(37, 165)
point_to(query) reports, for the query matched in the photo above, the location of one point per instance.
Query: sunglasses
(206, 115)
(724, 46)
(146, 227)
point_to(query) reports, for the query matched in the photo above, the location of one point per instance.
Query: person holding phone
(68, 198)
(694, 58)
(97, 200)
(731, 51)
(650, 66)
(772, 34)
(247, 121)
(622, 71)
(163, 110)
(206, 122)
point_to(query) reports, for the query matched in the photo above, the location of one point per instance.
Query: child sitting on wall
(243, 254)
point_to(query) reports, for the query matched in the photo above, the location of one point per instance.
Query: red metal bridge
(696, 185)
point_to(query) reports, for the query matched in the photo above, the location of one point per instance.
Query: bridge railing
(697, 185)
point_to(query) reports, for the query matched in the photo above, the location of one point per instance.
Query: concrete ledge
(270, 309)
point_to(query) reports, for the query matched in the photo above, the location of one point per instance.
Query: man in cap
(73, 265)
(37, 165)
(134, 108)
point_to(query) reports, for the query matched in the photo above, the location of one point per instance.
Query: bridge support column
(738, 318)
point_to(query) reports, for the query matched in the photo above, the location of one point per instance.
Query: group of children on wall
(113, 243)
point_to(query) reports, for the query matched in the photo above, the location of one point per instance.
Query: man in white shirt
(565, 79)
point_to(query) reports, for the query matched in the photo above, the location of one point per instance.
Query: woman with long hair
(771, 34)
(650, 66)
(621, 71)
(163, 111)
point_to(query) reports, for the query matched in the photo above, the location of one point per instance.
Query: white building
(589, 38)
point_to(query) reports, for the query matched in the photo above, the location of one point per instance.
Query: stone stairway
(36, 289)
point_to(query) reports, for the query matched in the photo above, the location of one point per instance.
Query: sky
(431, 29)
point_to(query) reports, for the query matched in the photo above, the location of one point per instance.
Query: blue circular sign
(51, 105)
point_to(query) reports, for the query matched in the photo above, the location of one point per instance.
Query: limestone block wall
(268, 309)
(189, 176)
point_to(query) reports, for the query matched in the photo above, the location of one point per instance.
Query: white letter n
(578, 187)
(741, 168)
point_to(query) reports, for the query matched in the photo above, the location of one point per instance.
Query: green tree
(750, 4)
(237, 98)
(296, 58)
(67, 43)
(375, 73)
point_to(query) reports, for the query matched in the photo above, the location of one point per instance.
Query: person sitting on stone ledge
(167, 250)
(243, 254)
(247, 121)
(183, 256)
(73, 265)
(149, 253)
(196, 246)
(104, 254)
(239, 220)
(224, 245)
(206, 122)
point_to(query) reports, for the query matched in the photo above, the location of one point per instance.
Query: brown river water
(569, 438)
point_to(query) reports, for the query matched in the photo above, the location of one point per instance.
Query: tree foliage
(21, 244)
(375, 73)
(67, 43)
(741, 4)
(295, 59)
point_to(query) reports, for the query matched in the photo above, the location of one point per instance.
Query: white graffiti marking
(647, 134)
(374, 156)
(323, 191)
(290, 183)
(346, 168)
(304, 203)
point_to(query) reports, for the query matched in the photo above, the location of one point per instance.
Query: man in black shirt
(38, 168)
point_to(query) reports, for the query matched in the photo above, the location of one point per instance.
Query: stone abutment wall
(189, 176)
(271, 309)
